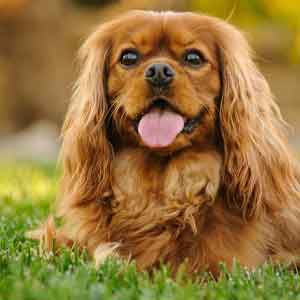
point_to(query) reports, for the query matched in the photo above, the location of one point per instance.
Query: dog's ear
(86, 150)
(258, 171)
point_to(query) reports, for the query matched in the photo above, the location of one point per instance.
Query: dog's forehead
(159, 29)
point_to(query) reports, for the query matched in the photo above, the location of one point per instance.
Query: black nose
(159, 74)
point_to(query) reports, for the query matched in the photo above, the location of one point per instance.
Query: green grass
(26, 191)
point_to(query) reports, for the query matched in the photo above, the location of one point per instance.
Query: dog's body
(172, 214)
(174, 148)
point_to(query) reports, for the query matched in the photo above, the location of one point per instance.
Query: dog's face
(163, 81)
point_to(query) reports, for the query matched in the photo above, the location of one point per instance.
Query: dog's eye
(194, 58)
(129, 57)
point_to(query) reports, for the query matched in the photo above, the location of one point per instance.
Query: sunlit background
(39, 40)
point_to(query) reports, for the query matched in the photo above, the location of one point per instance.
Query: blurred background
(39, 40)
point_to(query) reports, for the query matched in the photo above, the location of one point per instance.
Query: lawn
(27, 194)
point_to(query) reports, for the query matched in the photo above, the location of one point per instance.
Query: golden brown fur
(229, 189)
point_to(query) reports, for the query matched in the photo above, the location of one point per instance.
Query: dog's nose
(159, 74)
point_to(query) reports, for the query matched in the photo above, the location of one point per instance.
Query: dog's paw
(193, 178)
(104, 251)
(51, 238)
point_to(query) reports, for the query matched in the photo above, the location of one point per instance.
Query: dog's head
(158, 75)
(165, 81)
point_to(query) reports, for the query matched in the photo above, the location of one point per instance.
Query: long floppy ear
(86, 151)
(258, 170)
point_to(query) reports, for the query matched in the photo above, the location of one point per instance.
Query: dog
(174, 150)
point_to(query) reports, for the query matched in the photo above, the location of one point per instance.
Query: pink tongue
(159, 128)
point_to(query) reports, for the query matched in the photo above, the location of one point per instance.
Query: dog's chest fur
(165, 210)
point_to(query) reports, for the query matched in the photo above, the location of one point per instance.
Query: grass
(26, 191)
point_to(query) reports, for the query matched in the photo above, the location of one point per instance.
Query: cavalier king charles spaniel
(174, 150)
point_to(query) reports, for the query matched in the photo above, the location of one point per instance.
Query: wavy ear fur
(86, 151)
(258, 169)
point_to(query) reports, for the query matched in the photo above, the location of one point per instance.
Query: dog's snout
(159, 74)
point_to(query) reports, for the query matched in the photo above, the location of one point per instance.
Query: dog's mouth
(160, 124)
